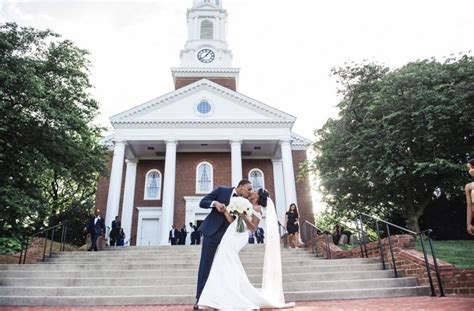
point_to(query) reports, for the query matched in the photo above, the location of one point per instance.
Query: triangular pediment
(183, 106)
(207, 6)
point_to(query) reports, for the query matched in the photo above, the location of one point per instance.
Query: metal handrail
(282, 230)
(314, 233)
(26, 243)
(428, 233)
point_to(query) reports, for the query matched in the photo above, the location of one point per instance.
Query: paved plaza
(382, 304)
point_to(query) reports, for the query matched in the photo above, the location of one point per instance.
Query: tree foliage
(49, 156)
(400, 137)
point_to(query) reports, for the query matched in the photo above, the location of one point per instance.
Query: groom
(214, 226)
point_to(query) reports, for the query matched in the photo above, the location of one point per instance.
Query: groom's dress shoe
(196, 307)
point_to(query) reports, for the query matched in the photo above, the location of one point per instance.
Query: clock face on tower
(206, 55)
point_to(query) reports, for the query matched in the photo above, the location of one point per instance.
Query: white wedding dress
(228, 287)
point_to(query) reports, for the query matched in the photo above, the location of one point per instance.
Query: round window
(204, 107)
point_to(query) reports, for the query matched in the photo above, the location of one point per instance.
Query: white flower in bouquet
(239, 205)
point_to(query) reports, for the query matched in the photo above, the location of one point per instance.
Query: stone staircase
(167, 275)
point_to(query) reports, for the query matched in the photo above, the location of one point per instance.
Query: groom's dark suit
(212, 228)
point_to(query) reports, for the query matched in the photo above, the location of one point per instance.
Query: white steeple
(206, 46)
(197, 3)
(206, 54)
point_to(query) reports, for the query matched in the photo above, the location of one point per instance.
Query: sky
(285, 49)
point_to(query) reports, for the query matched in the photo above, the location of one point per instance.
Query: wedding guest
(336, 234)
(183, 233)
(469, 189)
(193, 233)
(174, 235)
(292, 226)
(251, 238)
(260, 235)
(121, 237)
(95, 227)
(198, 236)
(115, 227)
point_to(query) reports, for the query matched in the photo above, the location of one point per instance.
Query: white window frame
(146, 197)
(263, 177)
(211, 177)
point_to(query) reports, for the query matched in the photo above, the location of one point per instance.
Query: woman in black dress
(292, 226)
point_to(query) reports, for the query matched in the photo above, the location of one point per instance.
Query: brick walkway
(383, 304)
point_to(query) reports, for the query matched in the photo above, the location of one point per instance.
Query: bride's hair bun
(262, 197)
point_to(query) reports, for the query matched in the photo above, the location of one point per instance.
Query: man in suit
(198, 236)
(193, 233)
(174, 235)
(183, 233)
(95, 227)
(115, 229)
(259, 234)
(214, 226)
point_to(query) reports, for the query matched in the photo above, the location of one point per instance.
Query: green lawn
(459, 253)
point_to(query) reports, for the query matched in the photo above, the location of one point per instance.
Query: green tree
(400, 138)
(50, 158)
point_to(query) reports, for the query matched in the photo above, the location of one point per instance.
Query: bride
(228, 287)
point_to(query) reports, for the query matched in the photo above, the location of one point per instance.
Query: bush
(9, 246)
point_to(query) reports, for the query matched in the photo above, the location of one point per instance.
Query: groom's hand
(219, 207)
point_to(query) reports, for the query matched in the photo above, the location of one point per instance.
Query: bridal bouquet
(239, 205)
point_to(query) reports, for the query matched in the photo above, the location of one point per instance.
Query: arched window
(207, 30)
(204, 177)
(256, 178)
(153, 185)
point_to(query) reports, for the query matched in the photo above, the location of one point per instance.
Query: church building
(172, 150)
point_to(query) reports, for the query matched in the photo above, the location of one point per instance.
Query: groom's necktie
(235, 195)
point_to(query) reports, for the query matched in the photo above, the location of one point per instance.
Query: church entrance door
(150, 233)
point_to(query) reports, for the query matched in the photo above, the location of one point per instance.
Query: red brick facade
(103, 190)
(303, 190)
(186, 164)
(226, 82)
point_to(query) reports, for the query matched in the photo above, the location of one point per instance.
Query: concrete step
(359, 293)
(191, 289)
(168, 275)
(140, 253)
(180, 248)
(313, 265)
(189, 299)
(157, 271)
(153, 253)
(160, 278)
(166, 258)
(162, 259)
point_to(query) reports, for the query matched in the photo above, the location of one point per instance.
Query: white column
(167, 213)
(115, 183)
(128, 197)
(196, 29)
(217, 26)
(288, 172)
(236, 158)
(190, 27)
(278, 181)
